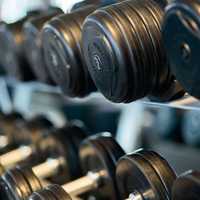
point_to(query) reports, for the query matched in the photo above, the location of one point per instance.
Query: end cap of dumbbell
(66, 142)
(144, 171)
(122, 70)
(63, 53)
(181, 36)
(12, 51)
(53, 192)
(33, 47)
(14, 185)
(187, 186)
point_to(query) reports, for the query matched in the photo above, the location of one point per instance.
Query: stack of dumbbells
(41, 162)
(125, 49)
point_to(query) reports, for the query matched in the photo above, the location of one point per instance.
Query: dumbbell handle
(84, 184)
(48, 168)
(13, 157)
(3, 141)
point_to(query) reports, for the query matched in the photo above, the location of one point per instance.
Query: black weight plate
(128, 63)
(30, 132)
(182, 41)
(33, 47)
(12, 51)
(59, 192)
(101, 3)
(14, 185)
(136, 174)
(187, 186)
(162, 168)
(43, 195)
(66, 145)
(63, 52)
(32, 179)
(96, 155)
(7, 125)
(105, 60)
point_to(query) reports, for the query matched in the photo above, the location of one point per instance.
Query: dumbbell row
(56, 146)
(90, 182)
(147, 174)
(84, 53)
(127, 50)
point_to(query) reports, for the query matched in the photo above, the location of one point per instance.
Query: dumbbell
(181, 36)
(98, 157)
(12, 52)
(63, 50)
(32, 43)
(125, 55)
(61, 165)
(187, 186)
(144, 175)
(8, 123)
(27, 135)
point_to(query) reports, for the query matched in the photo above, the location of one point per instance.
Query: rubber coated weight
(14, 185)
(8, 124)
(59, 193)
(63, 52)
(162, 168)
(101, 153)
(32, 31)
(187, 186)
(32, 131)
(182, 40)
(65, 144)
(12, 52)
(85, 3)
(52, 192)
(145, 171)
(124, 52)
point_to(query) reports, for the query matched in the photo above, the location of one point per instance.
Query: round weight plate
(59, 192)
(14, 185)
(161, 167)
(33, 47)
(12, 54)
(32, 131)
(182, 40)
(43, 195)
(137, 174)
(64, 143)
(124, 63)
(187, 186)
(63, 53)
(100, 153)
(32, 179)
(8, 125)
